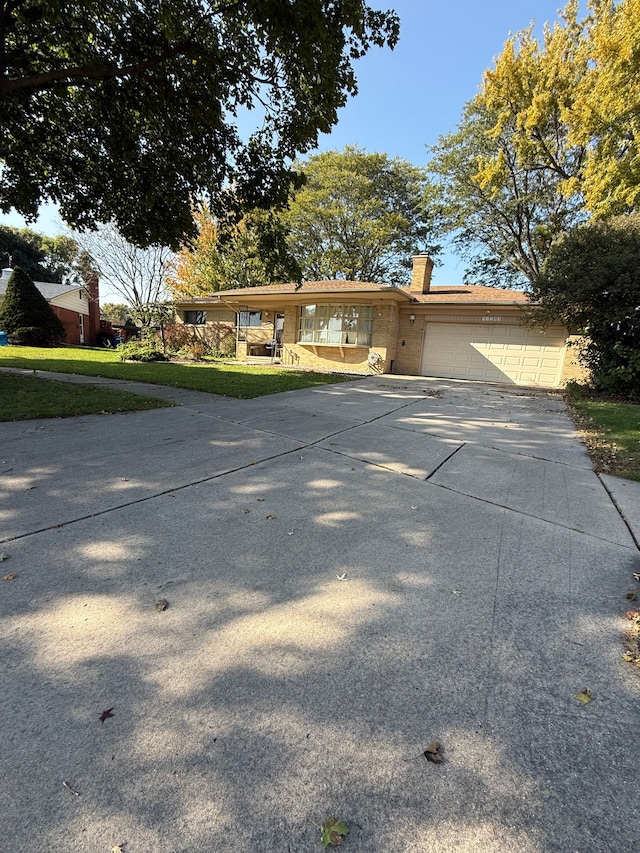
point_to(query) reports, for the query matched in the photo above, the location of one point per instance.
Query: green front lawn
(26, 397)
(231, 380)
(611, 432)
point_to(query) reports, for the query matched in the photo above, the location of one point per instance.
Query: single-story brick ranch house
(458, 332)
(76, 305)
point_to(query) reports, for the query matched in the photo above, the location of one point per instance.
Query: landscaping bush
(145, 351)
(195, 350)
(27, 316)
(216, 340)
(177, 335)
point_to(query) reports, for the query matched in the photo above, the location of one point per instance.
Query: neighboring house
(78, 307)
(458, 332)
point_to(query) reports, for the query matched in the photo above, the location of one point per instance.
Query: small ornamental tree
(26, 315)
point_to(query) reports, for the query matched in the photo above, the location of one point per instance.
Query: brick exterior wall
(409, 348)
(71, 323)
(398, 340)
(573, 371)
(92, 322)
(351, 358)
(220, 326)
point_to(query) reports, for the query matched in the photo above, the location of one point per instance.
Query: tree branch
(94, 72)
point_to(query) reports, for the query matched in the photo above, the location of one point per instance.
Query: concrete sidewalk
(351, 571)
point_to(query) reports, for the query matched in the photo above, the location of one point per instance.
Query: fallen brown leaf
(433, 753)
(162, 605)
(8, 577)
(106, 714)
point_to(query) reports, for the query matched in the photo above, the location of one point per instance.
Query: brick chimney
(421, 273)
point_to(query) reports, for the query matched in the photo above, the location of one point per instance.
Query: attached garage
(494, 353)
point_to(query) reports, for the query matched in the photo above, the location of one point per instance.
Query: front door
(279, 327)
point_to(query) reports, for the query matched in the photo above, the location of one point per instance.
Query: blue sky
(410, 96)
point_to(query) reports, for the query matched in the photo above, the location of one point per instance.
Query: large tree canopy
(127, 111)
(507, 176)
(604, 116)
(591, 282)
(550, 140)
(359, 216)
(502, 212)
(40, 257)
(248, 253)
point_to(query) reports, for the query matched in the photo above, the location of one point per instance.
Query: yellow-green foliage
(605, 114)
(572, 104)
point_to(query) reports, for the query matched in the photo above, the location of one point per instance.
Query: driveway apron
(282, 602)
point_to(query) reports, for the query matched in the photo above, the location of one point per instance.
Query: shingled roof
(472, 294)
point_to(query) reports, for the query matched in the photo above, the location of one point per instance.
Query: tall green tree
(41, 257)
(590, 280)
(126, 111)
(115, 312)
(26, 315)
(249, 253)
(360, 217)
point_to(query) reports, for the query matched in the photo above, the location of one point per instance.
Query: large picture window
(338, 325)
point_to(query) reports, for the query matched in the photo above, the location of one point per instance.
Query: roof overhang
(303, 296)
(467, 303)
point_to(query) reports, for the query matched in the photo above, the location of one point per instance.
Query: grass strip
(230, 380)
(610, 430)
(27, 397)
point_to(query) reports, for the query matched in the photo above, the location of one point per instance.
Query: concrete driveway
(352, 572)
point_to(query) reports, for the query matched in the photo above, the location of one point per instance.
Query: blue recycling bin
(4, 339)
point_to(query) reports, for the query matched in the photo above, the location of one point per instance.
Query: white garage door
(497, 353)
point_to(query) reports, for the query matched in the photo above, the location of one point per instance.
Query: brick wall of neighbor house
(573, 371)
(71, 323)
(93, 325)
(354, 359)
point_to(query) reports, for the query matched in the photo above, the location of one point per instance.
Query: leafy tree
(116, 312)
(591, 282)
(126, 111)
(359, 217)
(249, 253)
(41, 257)
(604, 116)
(137, 275)
(26, 315)
(509, 177)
